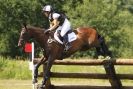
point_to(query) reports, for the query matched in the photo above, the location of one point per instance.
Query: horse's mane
(36, 29)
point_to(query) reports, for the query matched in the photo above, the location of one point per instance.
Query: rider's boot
(66, 43)
(59, 36)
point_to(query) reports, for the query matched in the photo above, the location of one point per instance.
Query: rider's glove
(47, 31)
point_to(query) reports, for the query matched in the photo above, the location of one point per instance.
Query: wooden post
(29, 48)
(110, 71)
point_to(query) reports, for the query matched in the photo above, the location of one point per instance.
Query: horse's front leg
(46, 75)
(43, 60)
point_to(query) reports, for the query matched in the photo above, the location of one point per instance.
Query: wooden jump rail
(91, 62)
(109, 68)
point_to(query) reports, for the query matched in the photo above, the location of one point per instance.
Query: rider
(58, 22)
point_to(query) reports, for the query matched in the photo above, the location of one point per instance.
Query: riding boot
(66, 43)
(59, 36)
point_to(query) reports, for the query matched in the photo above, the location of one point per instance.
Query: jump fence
(114, 79)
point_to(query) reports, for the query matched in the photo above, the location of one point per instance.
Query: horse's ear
(25, 25)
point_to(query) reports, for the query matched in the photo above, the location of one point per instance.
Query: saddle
(65, 40)
(70, 35)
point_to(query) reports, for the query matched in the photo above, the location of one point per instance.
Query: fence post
(110, 71)
(31, 63)
(29, 48)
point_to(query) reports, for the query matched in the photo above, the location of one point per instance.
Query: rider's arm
(54, 24)
(51, 24)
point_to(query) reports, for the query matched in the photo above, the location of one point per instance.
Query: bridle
(24, 37)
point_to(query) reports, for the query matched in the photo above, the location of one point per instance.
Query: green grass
(14, 69)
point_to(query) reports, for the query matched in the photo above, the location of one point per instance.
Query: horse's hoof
(34, 81)
(42, 87)
(108, 58)
(100, 57)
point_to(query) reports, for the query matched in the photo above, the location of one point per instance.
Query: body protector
(63, 28)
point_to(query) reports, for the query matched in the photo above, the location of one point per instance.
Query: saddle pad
(71, 37)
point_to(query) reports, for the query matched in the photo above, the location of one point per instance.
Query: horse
(87, 38)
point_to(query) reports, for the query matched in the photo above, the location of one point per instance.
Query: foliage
(13, 14)
(111, 18)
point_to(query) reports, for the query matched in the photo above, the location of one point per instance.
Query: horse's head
(24, 36)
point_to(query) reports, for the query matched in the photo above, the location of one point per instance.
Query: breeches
(64, 28)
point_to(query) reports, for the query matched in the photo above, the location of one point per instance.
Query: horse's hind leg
(99, 52)
(104, 47)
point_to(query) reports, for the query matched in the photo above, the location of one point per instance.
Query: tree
(111, 18)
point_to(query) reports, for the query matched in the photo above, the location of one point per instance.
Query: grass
(26, 84)
(14, 69)
(15, 84)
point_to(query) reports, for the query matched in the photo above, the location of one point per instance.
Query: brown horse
(86, 38)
